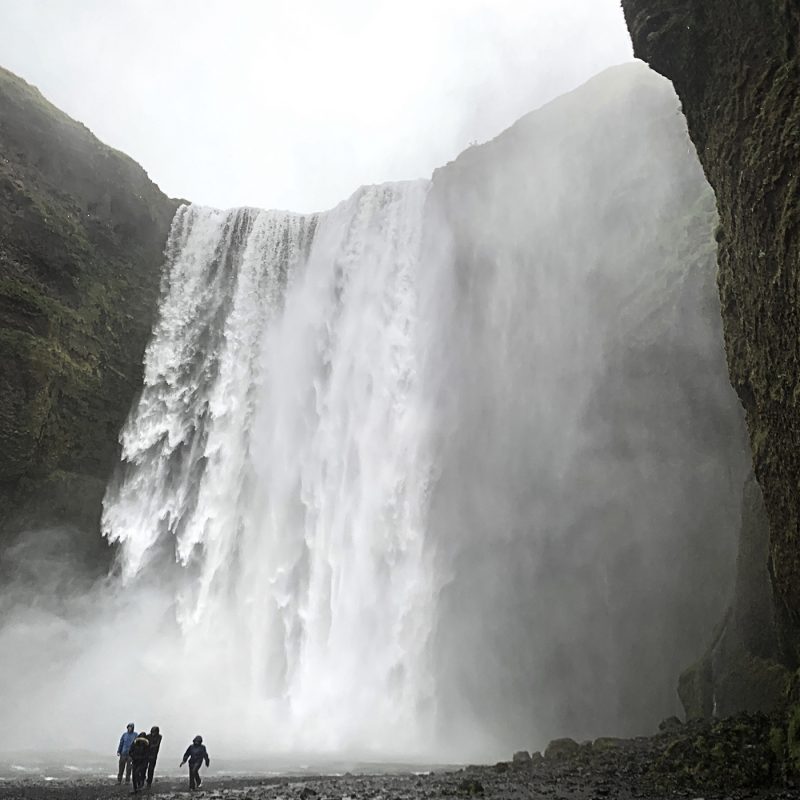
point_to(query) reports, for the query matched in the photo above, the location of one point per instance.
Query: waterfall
(443, 472)
(279, 460)
(350, 444)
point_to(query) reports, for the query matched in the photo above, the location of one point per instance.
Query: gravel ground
(568, 782)
(730, 759)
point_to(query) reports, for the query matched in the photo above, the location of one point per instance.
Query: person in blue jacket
(195, 754)
(123, 751)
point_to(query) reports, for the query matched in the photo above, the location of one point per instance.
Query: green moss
(48, 358)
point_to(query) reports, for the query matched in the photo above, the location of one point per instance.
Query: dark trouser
(124, 766)
(194, 775)
(151, 768)
(139, 772)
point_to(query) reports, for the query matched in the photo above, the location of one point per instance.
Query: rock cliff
(600, 199)
(599, 196)
(736, 69)
(82, 230)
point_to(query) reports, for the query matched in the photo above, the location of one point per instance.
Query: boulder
(561, 748)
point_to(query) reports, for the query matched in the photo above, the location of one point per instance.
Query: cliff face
(619, 537)
(82, 230)
(598, 200)
(736, 69)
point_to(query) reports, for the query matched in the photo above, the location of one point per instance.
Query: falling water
(280, 451)
(424, 475)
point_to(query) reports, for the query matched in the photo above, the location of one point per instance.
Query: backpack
(139, 749)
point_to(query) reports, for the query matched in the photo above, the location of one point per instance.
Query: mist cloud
(295, 104)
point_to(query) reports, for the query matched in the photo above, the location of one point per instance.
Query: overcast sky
(293, 104)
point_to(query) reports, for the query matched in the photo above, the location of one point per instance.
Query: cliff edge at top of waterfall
(82, 229)
(632, 85)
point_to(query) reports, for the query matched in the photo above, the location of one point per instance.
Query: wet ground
(537, 783)
(730, 759)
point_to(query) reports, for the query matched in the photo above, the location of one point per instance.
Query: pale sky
(294, 104)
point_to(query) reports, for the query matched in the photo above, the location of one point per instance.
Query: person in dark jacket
(123, 750)
(154, 737)
(139, 750)
(195, 754)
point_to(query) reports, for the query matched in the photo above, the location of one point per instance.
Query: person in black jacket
(138, 753)
(195, 754)
(154, 737)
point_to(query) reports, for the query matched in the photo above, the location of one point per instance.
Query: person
(195, 754)
(123, 751)
(154, 737)
(138, 752)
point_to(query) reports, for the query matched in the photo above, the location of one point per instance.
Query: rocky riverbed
(742, 757)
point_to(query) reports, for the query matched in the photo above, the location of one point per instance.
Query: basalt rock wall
(82, 229)
(736, 69)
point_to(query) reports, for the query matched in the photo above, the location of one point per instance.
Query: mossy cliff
(82, 229)
(736, 69)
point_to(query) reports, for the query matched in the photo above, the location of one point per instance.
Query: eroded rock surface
(737, 71)
(82, 229)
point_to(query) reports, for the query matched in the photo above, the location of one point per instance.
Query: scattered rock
(728, 759)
